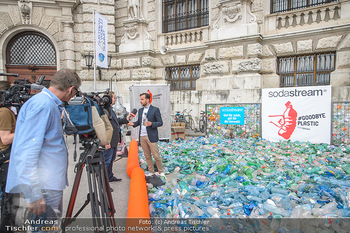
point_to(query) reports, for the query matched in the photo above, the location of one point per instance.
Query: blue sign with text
(232, 115)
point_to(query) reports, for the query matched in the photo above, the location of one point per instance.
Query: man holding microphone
(149, 119)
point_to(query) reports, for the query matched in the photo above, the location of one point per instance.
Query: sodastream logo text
(295, 93)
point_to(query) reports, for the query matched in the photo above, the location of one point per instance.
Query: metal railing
(306, 70)
(184, 14)
(182, 77)
(289, 5)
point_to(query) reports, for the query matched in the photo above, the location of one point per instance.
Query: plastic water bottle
(249, 173)
(182, 211)
(343, 212)
(214, 212)
(177, 169)
(279, 191)
(286, 203)
(252, 190)
(329, 207)
(254, 198)
(235, 211)
(274, 209)
(227, 179)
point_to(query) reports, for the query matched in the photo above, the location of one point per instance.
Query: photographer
(7, 132)
(111, 150)
(39, 156)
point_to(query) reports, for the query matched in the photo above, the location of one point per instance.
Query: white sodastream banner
(101, 41)
(297, 114)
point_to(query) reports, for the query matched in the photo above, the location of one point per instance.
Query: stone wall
(237, 51)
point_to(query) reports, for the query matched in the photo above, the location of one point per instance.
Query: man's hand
(6, 137)
(130, 124)
(148, 123)
(37, 207)
(108, 146)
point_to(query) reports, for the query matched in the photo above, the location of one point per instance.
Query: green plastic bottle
(249, 173)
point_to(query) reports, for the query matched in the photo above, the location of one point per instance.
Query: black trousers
(9, 202)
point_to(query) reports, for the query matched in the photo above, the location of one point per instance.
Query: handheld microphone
(133, 112)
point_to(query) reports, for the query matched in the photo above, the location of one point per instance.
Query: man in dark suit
(149, 119)
(111, 149)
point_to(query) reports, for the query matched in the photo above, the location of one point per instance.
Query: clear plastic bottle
(214, 212)
(343, 212)
(330, 206)
(286, 203)
(254, 198)
(279, 191)
(274, 209)
(182, 211)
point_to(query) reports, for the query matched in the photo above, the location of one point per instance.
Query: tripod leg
(102, 193)
(105, 196)
(111, 209)
(93, 195)
(101, 198)
(73, 197)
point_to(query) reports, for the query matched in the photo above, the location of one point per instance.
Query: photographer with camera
(39, 156)
(7, 132)
(110, 153)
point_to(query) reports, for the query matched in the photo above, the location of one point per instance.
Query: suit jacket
(116, 122)
(154, 116)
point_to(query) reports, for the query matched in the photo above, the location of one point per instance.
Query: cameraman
(39, 156)
(7, 132)
(110, 153)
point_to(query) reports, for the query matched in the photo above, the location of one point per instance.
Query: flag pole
(93, 30)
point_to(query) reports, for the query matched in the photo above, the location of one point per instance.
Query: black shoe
(114, 179)
(111, 189)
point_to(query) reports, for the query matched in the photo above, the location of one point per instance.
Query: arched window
(31, 48)
(31, 55)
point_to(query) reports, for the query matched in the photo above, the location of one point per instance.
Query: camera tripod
(99, 195)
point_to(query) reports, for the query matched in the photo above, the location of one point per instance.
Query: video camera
(20, 92)
(84, 115)
(104, 101)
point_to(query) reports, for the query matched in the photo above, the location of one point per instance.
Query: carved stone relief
(25, 8)
(131, 32)
(231, 13)
(135, 29)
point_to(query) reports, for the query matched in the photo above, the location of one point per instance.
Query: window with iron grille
(182, 77)
(306, 70)
(289, 5)
(184, 14)
(30, 48)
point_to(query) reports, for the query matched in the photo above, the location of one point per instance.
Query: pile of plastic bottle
(254, 178)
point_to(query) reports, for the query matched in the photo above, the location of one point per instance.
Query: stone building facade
(234, 50)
